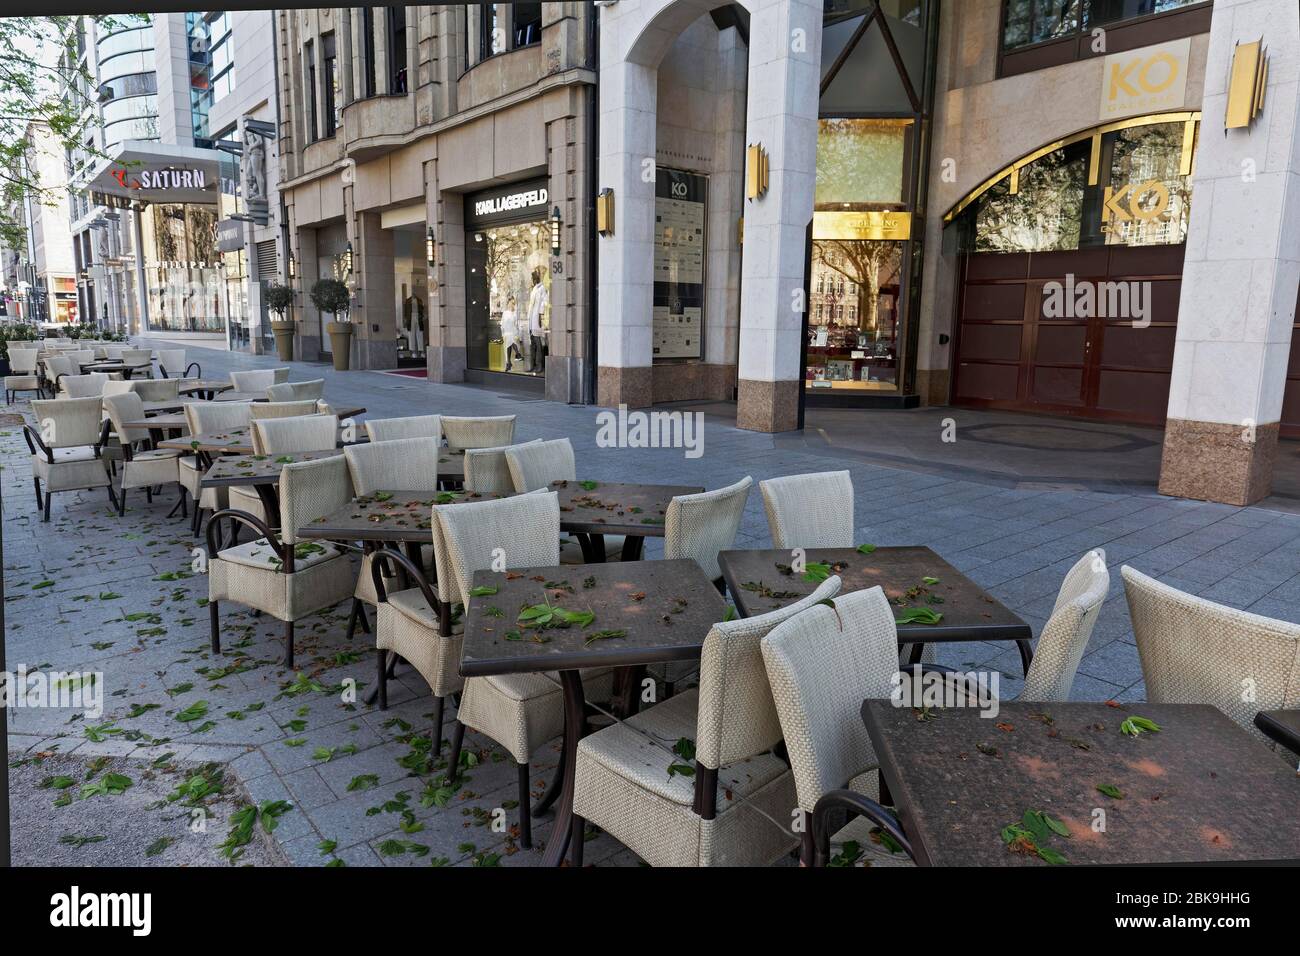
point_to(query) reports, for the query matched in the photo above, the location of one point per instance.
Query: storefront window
(509, 298)
(411, 288)
(1142, 196)
(182, 268)
(860, 162)
(853, 326)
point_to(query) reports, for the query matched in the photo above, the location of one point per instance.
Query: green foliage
(332, 296)
(278, 298)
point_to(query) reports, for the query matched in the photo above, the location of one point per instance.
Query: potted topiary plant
(278, 298)
(332, 296)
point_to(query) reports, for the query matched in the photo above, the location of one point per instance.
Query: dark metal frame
(282, 551)
(837, 807)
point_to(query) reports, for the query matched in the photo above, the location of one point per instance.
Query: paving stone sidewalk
(120, 596)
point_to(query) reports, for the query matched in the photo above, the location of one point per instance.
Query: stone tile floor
(121, 597)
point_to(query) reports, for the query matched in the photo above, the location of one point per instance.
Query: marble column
(784, 75)
(1241, 271)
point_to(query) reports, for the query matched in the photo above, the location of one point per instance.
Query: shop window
(853, 346)
(1141, 195)
(1025, 22)
(508, 297)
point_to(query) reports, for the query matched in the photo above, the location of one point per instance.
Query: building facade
(39, 275)
(437, 159)
(168, 241)
(1079, 209)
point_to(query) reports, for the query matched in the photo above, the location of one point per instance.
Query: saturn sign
(161, 179)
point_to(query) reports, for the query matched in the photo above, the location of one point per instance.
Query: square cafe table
(115, 365)
(1200, 790)
(593, 509)
(664, 610)
(762, 581)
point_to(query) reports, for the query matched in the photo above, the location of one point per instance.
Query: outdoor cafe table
(1282, 726)
(593, 509)
(176, 419)
(663, 609)
(762, 581)
(114, 365)
(203, 387)
(260, 472)
(1200, 790)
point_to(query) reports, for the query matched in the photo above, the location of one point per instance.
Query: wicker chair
(158, 389)
(118, 386)
(821, 665)
(56, 367)
(205, 418)
(258, 380)
(488, 471)
(90, 385)
(277, 573)
(171, 363)
(23, 376)
(534, 466)
(1064, 637)
(66, 448)
(113, 352)
(296, 391)
(263, 410)
(810, 511)
(409, 464)
(282, 436)
(145, 467)
(734, 810)
(143, 358)
(1194, 651)
(416, 426)
(463, 433)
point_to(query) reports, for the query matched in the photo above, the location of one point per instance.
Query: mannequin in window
(539, 307)
(510, 334)
(413, 323)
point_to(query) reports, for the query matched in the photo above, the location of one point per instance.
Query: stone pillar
(784, 72)
(1241, 272)
(446, 356)
(307, 343)
(628, 98)
(375, 339)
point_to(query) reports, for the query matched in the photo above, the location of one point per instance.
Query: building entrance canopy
(158, 173)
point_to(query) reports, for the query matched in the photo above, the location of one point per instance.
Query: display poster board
(681, 202)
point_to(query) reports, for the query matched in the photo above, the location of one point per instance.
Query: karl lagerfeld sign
(514, 202)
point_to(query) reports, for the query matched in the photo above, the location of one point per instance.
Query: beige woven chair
(56, 368)
(171, 363)
(263, 410)
(821, 666)
(810, 511)
(144, 467)
(158, 389)
(409, 464)
(416, 426)
(23, 376)
(66, 448)
(142, 358)
(521, 712)
(277, 573)
(117, 386)
(90, 385)
(487, 471)
(207, 418)
(1194, 651)
(79, 357)
(259, 379)
(296, 391)
(534, 466)
(283, 436)
(113, 352)
(1064, 637)
(491, 432)
(734, 810)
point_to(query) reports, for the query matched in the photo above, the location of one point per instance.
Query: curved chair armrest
(377, 562)
(837, 807)
(282, 551)
(193, 365)
(32, 435)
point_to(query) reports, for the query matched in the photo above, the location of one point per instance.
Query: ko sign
(1149, 80)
